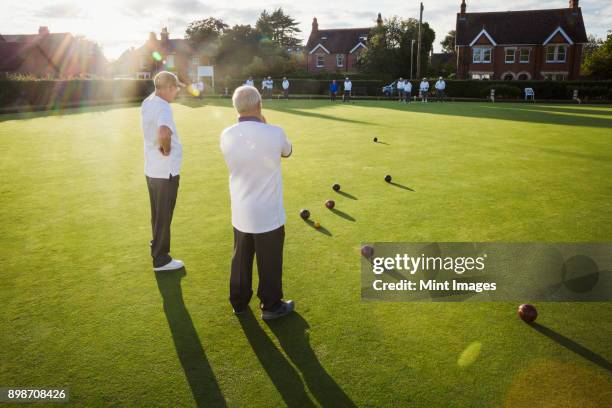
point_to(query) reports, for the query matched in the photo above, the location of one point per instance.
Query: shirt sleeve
(165, 119)
(287, 148)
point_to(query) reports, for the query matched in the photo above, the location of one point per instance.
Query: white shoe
(170, 266)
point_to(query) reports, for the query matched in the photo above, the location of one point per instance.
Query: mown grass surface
(81, 307)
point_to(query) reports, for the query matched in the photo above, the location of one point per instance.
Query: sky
(119, 24)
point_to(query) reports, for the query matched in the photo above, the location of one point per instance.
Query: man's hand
(164, 137)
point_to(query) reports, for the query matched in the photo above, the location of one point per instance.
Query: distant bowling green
(82, 308)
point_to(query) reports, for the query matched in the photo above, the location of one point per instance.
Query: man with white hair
(424, 90)
(163, 155)
(252, 150)
(348, 86)
(285, 87)
(440, 87)
(407, 91)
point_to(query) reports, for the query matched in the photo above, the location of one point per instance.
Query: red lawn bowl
(527, 312)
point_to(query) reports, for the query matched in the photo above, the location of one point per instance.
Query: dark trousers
(162, 194)
(268, 247)
(332, 96)
(347, 96)
(286, 93)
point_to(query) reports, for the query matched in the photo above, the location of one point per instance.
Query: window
(340, 60)
(508, 77)
(481, 76)
(555, 53)
(143, 75)
(524, 58)
(195, 60)
(170, 61)
(510, 55)
(143, 61)
(481, 55)
(523, 76)
(320, 61)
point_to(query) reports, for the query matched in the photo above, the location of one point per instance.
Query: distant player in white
(424, 89)
(440, 87)
(400, 88)
(250, 82)
(348, 86)
(407, 91)
(285, 87)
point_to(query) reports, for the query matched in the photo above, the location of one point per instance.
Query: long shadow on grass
(285, 378)
(573, 346)
(292, 333)
(200, 376)
(398, 185)
(26, 113)
(347, 195)
(344, 215)
(321, 228)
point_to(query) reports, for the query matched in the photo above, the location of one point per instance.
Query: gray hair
(165, 79)
(246, 99)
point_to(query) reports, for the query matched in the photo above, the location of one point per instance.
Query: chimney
(379, 20)
(315, 25)
(165, 35)
(573, 4)
(43, 30)
(463, 6)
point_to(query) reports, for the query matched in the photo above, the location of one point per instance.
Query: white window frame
(322, 60)
(556, 48)
(170, 63)
(481, 76)
(521, 55)
(340, 60)
(481, 55)
(513, 49)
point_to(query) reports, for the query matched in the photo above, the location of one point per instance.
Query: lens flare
(156, 56)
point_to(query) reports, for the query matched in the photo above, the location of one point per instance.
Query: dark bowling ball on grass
(336, 187)
(305, 214)
(527, 312)
(330, 204)
(388, 178)
(367, 251)
(375, 139)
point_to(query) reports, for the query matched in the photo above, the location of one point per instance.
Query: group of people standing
(404, 90)
(348, 90)
(267, 85)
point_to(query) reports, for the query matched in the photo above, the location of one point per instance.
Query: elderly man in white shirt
(400, 89)
(252, 150)
(407, 91)
(440, 87)
(424, 89)
(163, 156)
(285, 87)
(348, 87)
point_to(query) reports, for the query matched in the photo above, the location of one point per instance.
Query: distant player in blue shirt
(333, 90)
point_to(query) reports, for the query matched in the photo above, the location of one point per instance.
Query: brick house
(176, 55)
(51, 55)
(335, 50)
(532, 44)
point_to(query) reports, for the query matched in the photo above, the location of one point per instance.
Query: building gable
(483, 38)
(558, 37)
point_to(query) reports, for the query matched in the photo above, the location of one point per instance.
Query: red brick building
(175, 55)
(50, 55)
(532, 44)
(335, 50)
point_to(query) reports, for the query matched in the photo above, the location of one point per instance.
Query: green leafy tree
(448, 43)
(598, 63)
(389, 45)
(237, 47)
(201, 31)
(279, 27)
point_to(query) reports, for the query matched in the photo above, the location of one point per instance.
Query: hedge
(57, 93)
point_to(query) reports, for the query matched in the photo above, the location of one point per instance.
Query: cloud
(64, 10)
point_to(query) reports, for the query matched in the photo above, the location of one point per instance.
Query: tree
(201, 31)
(389, 47)
(279, 27)
(448, 44)
(598, 63)
(238, 45)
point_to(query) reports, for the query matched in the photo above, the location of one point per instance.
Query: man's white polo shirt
(348, 85)
(156, 112)
(252, 152)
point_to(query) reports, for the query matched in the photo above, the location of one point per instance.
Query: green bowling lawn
(81, 307)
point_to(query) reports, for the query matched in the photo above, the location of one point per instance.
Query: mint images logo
(412, 264)
(485, 271)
